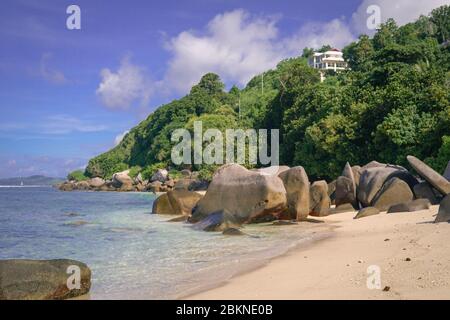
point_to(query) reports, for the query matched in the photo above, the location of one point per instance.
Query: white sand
(336, 268)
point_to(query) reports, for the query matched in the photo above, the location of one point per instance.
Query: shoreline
(410, 250)
(323, 233)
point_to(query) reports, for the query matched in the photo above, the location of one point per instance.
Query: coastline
(411, 251)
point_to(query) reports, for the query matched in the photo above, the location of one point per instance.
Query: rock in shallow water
(178, 202)
(42, 279)
(244, 195)
(217, 221)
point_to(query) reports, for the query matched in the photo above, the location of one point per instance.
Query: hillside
(30, 181)
(394, 101)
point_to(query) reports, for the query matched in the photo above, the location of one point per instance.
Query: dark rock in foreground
(435, 179)
(444, 210)
(411, 206)
(366, 212)
(42, 279)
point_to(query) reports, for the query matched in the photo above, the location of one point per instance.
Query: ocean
(132, 253)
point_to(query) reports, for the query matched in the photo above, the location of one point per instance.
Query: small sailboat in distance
(21, 183)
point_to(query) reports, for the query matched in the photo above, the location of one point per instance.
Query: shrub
(148, 171)
(134, 171)
(77, 175)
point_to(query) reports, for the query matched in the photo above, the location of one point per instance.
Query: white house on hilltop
(329, 60)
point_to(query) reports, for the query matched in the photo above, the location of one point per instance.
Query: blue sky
(67, 95)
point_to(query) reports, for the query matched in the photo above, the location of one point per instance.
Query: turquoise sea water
(132, 253)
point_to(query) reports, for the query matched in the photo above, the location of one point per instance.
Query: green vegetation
(77, 175)
(394, 101)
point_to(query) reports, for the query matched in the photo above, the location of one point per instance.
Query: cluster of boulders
(161, 181)
(237, 195)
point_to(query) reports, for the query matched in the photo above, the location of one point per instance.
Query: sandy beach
(412, 253)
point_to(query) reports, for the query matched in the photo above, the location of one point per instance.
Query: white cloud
(403, 11)
(121, 89)
(237, 46)
(120, 137)
(335, 33)
(50, 74)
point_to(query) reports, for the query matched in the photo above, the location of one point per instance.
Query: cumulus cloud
(402, 11)
(50, 74)
(237, 45)
(120, 137)
(125, 87)
(335, 33)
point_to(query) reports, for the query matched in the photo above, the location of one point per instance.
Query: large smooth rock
(345, 191)
(444, 210)
(296, 183)
(435, 179)
(160, 175)
(319, 202)
(83, 185)
(423, 190)
(411, 206)
(245, 195)
(177, 202)
(216, 221)
(67, 186)
(121, 180)
(273, 170)
(447, 172)
(41, 279)
(154, 186)
(348, 173)
(374, 177)
(332, 191)
(373, 164)
(366, 212)
(393, 192)
(96, 182)
(356, 175)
